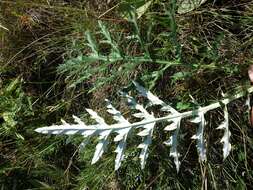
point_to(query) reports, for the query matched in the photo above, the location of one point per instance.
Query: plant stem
(132, 59)
(193, 112)
(117, 126)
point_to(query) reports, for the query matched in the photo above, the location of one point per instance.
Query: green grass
(59, 58)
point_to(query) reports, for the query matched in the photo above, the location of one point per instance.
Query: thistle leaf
(173, 141)
(123, 127)
(66, 128)
(225, 139)
(175, 125)
(109, 40)
(171, 127)
(147, 131)
(122, 133)
(92, 43)
(199, 136)
(154, 100)
(147, 134)
(101, 146)
(116, 114)
(96, 117)
(120, 150)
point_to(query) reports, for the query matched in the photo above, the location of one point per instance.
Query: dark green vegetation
(58, 57)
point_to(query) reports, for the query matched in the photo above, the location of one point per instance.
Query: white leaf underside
(175, 123)
(148, 128)
(101, 146)
(121, 134)
(225, 139)
(199, 136)
(148, 122)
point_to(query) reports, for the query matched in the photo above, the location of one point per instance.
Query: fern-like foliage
(99, 59)
(123, 128)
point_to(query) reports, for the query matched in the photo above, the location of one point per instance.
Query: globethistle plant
(124, 128)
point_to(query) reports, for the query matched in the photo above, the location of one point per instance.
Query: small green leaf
(185, 6)
(143, 9)
(92, 43)
(183, 105)
(9, 119)
(180, 75)
(19, 136)
(13, 85)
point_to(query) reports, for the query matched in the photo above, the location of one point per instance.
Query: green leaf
(143, 9)
(180, 76)
(9, 119)
(185, 6)
(92, 43)
(13, 85)
(19, 136)
(183, 105)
